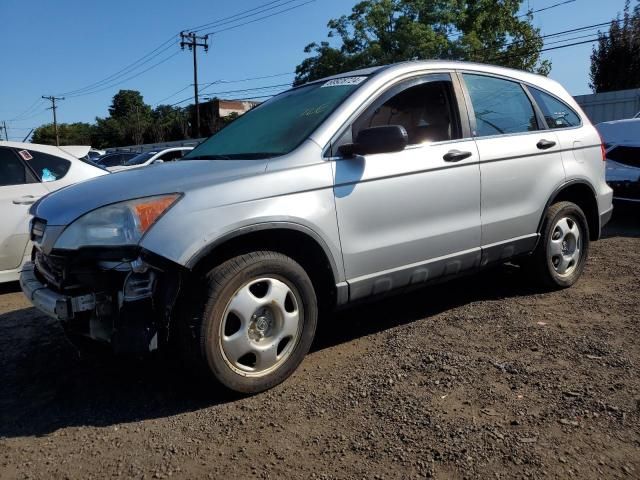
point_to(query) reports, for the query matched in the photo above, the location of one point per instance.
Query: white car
(27, 172)
(155, 156)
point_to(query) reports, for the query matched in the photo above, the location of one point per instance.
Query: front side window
(500, 106)
(48, 168)
(426, 110)
(556, 113)
(279, 125)
(12, 171)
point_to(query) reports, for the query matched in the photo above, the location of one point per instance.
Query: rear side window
(557, 114)
(12, 170)
(48, 168)
(501, 106)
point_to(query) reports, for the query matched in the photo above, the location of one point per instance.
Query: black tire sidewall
(265, 264)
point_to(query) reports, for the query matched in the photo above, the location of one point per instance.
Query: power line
(213, 32)
(31, 108)
(119, 82)
(128, 69)
(530, 12)
(243, 15)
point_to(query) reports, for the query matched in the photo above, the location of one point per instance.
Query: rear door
(410, 216)
(19, 189)
(520, 163)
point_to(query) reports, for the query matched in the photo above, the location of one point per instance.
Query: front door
(411, 216)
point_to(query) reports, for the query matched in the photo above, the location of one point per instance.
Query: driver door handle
(545, 144)
(455, 156)
(26, 200)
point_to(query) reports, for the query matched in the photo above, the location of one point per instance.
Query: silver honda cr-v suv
(338, 190)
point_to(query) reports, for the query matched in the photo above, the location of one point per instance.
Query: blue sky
(52, 47)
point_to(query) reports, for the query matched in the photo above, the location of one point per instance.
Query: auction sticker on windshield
(341, 82)
(25, 154)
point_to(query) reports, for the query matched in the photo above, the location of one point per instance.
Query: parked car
(336, 191)
(622, 143)
(115, 159)
(27, 172)
(149, 158)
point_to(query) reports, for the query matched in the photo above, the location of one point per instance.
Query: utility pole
(6, 133)
(193, 41)
(53, 107)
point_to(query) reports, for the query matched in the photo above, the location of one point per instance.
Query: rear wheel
(563, 248)
(257, 321)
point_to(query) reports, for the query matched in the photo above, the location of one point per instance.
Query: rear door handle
(455, 156)
(26, 200)
(545, 144)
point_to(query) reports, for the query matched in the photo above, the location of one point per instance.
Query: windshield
(140, 159)
(279, 125)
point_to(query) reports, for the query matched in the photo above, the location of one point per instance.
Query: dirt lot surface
(484, 377)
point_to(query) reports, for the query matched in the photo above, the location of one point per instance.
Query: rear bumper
(605, 217)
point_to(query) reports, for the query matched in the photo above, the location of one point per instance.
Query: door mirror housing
(384, 139)
(158, 160)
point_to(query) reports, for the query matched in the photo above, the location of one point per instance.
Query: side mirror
(385, 139)
(158, 160)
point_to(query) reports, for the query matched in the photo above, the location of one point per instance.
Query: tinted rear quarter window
(500, 106)
(12, 170)
(557, 113)
(48, 168)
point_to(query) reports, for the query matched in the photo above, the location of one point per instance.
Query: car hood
(66, 205)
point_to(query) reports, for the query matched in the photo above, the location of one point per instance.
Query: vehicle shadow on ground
(47, 386)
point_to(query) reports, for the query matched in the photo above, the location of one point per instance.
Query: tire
(563, 248)
(254, 323)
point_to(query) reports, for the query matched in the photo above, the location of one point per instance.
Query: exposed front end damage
(123, 298)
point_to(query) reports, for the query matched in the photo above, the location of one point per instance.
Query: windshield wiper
(208, 157)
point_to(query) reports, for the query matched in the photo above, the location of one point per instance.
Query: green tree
(168, 123)
(379, 32)
(70, 134)
(615, 61)
(130, 119)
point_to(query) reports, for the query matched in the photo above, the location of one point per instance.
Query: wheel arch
(297, 241)
(582, 193)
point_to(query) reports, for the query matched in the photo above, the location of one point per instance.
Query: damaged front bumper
(127, 304)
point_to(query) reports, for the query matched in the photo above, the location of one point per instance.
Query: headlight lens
(116, 225)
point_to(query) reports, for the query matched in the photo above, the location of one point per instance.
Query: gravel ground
(484, 377)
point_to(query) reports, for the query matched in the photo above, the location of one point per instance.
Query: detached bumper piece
(126, 304)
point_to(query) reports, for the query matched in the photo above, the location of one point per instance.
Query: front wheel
(563, 248)
(257, 321)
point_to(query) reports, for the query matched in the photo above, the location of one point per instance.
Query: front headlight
(116, 225)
